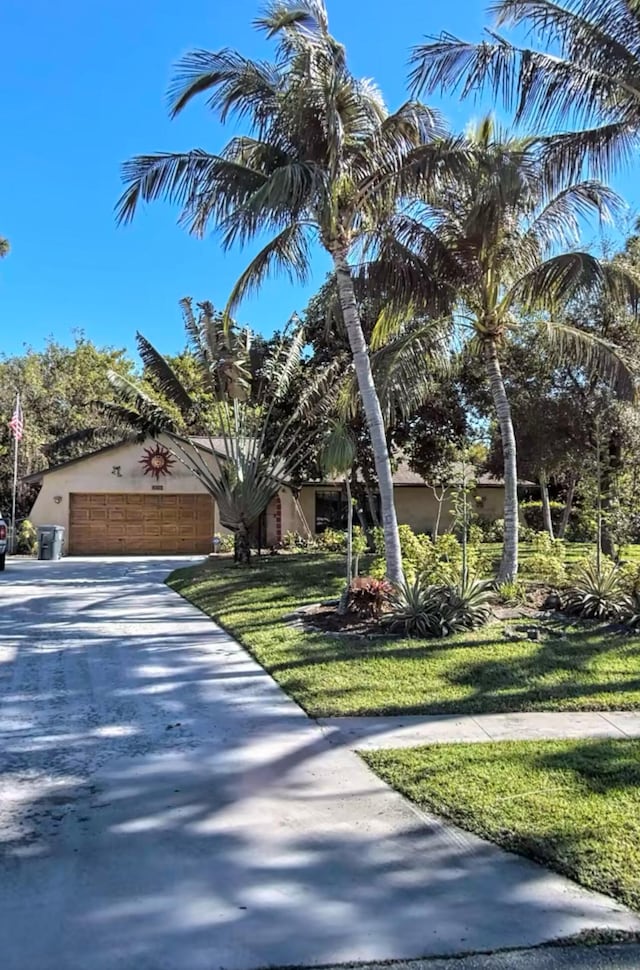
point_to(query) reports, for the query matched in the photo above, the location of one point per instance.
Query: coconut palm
(508, 230)
(324, 161)
(590, 84)
(239, 457)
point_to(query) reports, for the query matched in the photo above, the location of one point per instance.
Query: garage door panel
(121, 524)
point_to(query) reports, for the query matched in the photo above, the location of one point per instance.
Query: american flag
(17, 421)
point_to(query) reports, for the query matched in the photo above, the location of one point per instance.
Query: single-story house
(138, 499)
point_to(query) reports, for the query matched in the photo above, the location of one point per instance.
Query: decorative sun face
(157, 461)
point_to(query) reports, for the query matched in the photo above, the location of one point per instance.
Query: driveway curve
(164, 806)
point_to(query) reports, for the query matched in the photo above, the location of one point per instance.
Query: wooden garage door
(121, 524)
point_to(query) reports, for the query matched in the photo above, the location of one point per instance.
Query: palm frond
(558, 223)
(192, 180)
(163, 374)
(288, 252)
(237, 84)
(596, 355)
(570, 275)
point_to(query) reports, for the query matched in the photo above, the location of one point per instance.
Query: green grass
(584, 669)
(573, 805)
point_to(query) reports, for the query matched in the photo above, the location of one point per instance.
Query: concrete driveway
(164, 806)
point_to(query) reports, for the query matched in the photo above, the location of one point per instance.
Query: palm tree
(590, 83)
(506, 228)
(4, 247)
(239, 457)
(324, 161)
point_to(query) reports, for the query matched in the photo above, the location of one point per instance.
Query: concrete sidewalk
(367, 733)
(165, 806)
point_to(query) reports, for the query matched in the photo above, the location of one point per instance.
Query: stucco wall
(115, 470)
(415, 506)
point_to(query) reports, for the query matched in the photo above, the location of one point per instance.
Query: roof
(402, 476)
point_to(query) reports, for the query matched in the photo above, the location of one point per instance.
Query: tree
(589, 79)
(4, 247)
(249, 463)
(506, 226)
(57, 386)
(324, 161)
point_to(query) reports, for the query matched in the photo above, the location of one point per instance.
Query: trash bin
(50, 541)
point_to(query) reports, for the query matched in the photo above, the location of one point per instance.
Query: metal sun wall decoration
(157, 461)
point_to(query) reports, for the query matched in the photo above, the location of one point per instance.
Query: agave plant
(245, 451)
(597, 593)
(470, 602)
(421, 610)
(416, 609)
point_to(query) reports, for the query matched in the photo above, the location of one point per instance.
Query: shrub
(512, 593)
(359, 544)
(547, 560)
(369, 595)
(476, 535)
(582, 526)
(597, 594)
(377, 540)
(293, 542)
(226, 541)
(630, 577)
(27, 539)
(532, 514)
(331, 541)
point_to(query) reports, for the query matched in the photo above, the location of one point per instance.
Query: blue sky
(84, 86)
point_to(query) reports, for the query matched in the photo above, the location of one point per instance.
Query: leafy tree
(323, 161)
(588, 78)
(506, 226)
(57, 387)
(251, 460)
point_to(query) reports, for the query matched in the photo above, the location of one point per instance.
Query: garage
(113, 524)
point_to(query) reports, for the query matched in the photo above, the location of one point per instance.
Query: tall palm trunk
(547, 521)
(373, 414)
(509, 565)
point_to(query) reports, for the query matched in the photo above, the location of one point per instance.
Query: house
(137, 498)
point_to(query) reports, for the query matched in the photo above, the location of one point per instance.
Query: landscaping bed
(572, 805)
(569, 667)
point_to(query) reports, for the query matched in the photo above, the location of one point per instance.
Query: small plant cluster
(223, 541)
(369, 596)
(605, 591)
(331, 540)
(420, 610)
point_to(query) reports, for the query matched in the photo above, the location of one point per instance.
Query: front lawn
(579, 669)
(573, 805)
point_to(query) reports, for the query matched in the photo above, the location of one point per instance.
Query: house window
(331, 510)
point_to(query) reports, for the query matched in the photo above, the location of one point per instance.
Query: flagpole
(15, 481)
